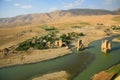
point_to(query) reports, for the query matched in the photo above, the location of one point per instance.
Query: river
(83, 64)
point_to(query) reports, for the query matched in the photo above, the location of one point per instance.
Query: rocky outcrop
(80, 45)
(106, 46)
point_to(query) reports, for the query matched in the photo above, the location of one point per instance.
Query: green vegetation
(117, 18)
(43, 26)
(47, 28)
(75, 35)
(47, 41)
(24, 46)
(65, 38)
(114, 27)
(76, 26)
(115, 69)
(81, 34)
(50, 28)
(37, 42)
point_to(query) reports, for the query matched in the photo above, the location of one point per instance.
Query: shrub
(76, 27)
(50, 29)
(81, 34)
(24, 46)
(65, 38)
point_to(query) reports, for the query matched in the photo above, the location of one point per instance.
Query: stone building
(106, 46)
(80, 45)
(60, 43)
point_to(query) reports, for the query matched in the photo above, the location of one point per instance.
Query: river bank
(34, 56)
(72, 61)
(109, 74)
(63, 75)
(40, 55)
(116, 40)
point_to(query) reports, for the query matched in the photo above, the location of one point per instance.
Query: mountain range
(43, 18)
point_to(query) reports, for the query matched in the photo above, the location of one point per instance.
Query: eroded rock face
(80, 45)
(106, 46)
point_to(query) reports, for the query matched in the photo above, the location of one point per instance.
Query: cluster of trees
(75, 35)
(24, 46)
(70, 36)
(114, 27)
(37, 42)
(42, 42)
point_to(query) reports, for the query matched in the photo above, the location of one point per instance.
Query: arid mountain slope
(43, 18)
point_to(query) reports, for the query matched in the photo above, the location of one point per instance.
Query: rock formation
(80, 45)
(60, 43)
(106, 46)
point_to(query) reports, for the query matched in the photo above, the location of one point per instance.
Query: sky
(11, 8)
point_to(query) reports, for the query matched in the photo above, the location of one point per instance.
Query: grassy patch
(76, 27)
(50, 29)
(47, 28)
(43, 26)
(115, 69)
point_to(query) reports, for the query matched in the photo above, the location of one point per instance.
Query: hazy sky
(9, 8)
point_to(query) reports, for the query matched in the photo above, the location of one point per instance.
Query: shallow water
(102, 61)
(72, 63)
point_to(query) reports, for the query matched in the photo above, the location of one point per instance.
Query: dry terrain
(113, 73)
(62, 75)
(88, 25)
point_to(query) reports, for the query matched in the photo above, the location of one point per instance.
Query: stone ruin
(80, 45)
(7, 51)
(106, 46)
(60, 43)
(4, 52)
